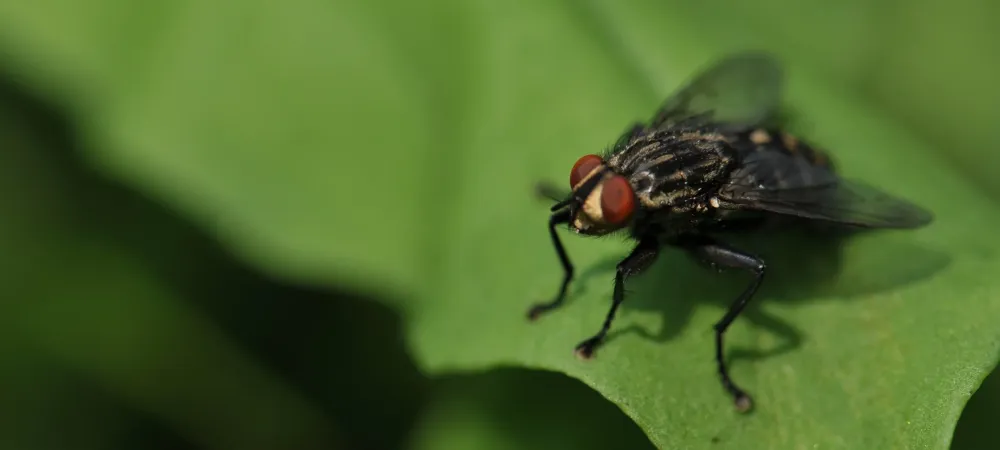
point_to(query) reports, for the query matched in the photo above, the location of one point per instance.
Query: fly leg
(639, 260)
(548, 191)
(556, 219)
(720, 256)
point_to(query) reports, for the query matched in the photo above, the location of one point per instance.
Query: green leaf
(82, 311)
(394, 148)
(974, 430)
(937, 71)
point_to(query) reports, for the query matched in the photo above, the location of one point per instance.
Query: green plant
(392, 148)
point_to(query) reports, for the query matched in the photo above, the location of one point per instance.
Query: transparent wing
(842, 201)
(742, 90)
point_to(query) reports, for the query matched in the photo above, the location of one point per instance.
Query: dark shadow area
(528, 409)
(45, 408)
(802, 265)
(976, 428)
(341, 351)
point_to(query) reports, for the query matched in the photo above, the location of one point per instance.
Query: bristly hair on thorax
(669, 168)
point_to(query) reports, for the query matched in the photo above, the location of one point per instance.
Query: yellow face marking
(760, 137)
(590, 216)
(592, 206)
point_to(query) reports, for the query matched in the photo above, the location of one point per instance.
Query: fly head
(602, 201)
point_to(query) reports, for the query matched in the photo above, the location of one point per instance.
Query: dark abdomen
(775, 159)
(772, 140)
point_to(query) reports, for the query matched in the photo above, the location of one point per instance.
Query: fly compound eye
(617, 200)
(583, 167)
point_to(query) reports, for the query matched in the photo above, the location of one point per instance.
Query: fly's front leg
(548, 191)
(639, 260)
(722, 256)
(556, 219)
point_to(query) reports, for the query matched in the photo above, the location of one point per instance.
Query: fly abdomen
(765, 139)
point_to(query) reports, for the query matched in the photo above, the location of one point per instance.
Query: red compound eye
(617, 200)
(583, 167)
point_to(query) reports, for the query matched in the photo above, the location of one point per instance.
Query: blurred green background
(219, 231)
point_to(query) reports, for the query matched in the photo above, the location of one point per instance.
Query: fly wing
(778, 184)
(741, 90)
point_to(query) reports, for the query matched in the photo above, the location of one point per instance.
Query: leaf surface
(395, 148)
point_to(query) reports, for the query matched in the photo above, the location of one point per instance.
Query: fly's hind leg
(720, 256)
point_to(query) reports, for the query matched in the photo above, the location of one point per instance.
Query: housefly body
(712, 160)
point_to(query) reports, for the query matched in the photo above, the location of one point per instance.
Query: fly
(711, 161)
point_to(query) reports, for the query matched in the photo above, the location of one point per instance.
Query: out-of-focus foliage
(390, 147)
(84, 305)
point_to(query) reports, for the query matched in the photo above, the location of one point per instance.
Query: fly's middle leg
(722, 256)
